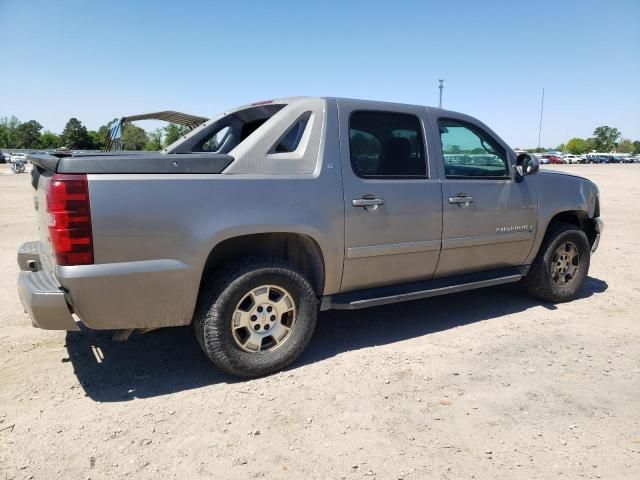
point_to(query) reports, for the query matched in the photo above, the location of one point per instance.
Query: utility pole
(441, 86)
(541, 110)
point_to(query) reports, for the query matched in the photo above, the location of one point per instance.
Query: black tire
(540, 283)
(221, 294)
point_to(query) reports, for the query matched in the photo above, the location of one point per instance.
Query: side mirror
(526, 165)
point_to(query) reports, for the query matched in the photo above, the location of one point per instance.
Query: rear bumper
(599, 227)
(108, 296)
(43, 299)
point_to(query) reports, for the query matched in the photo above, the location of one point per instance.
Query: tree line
(75, 136)
(605, 139)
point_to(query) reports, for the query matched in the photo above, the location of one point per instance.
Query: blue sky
(97, 60)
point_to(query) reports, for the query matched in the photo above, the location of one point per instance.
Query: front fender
(559, 193)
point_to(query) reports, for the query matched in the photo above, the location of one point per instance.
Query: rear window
(230, 131)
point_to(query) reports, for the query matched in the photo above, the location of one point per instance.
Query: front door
(489, 219)
(393, 206)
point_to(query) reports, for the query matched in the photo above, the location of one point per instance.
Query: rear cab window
(233, 129)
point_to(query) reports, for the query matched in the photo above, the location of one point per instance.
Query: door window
(469, 152)
(386, 145)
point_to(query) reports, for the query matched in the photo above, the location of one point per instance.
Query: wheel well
(299, 250)
(578, 218)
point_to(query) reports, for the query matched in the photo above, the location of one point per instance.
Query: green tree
(578, 146)
(49, 140)
(155, 140)
(8, 127)
(75, 135)
(133, 137)
(97, 140)
(28, 134)
(606, 138)
(173, 132)
(625, 146)
(636, 147)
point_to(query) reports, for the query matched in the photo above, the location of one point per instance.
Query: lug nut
(257, 327)
(266, 327)
(253, 318)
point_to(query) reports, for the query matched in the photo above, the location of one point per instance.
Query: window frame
(480, 132)
(422, 131)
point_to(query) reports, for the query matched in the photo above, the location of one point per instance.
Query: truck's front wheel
(256, 317)
(561, 267)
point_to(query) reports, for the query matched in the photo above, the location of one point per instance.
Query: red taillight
(70, 219)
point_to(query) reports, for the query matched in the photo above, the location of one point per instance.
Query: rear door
(392, 196)
(489, 219)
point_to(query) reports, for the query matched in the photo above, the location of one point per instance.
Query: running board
(374, 297)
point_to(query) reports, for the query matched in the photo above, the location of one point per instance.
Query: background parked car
(2, 158)
(597, 158)
(573, 158)
(17, 156)
(554, 159)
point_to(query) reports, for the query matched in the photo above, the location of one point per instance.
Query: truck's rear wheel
(256, 317)
(561, 266)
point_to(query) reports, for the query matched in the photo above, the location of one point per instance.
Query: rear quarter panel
(153, 234)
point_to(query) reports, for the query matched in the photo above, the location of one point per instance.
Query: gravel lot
(485, 384)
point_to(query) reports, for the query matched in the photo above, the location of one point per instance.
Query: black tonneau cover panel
(122, 162)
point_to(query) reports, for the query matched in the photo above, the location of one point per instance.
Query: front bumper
(598, 224)
(43, 299)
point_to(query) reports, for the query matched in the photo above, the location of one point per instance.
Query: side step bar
(374, 297)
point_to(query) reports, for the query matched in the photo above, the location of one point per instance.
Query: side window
(470, 153)
(386, 145)
(290, 141)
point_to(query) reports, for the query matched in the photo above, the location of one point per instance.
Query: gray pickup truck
(257, 219)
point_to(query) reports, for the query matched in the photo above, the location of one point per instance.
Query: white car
(14, 157)
(573, 158)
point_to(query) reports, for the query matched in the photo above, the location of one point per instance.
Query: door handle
(461, 199)
(367, 202)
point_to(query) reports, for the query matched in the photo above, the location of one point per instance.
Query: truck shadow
(170, 360)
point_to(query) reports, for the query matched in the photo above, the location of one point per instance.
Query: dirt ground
(485, 384)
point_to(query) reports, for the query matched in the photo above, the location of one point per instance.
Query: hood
(559, 172)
